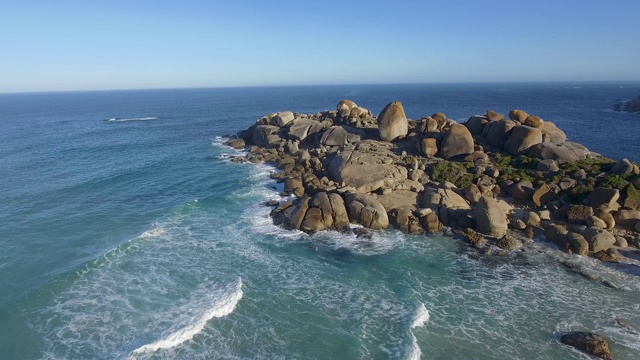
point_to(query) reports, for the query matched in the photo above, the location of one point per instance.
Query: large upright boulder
(490, 218)
(392, 122)
(521, 139)
(598, 239)
(364, 209)
(457, 141)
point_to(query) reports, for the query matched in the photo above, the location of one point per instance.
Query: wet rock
(366, 210)
(474, 238)
(590, 343)
(508, 243)
(607, 256)
(363, 233)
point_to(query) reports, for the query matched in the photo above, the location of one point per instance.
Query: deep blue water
(139, 234)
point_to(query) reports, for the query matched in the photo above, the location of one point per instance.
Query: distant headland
(632, 106)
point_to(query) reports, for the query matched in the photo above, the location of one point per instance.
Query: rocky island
(632, 106)
(497, 182)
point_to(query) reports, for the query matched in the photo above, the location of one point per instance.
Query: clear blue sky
(90, 44)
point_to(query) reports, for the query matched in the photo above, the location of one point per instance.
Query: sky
(141, 44)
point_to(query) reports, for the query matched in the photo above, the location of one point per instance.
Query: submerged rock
(590, 343)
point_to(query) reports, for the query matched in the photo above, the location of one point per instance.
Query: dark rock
(578, 214)
(457, 141)
(498, 132)
(590, 343)
(603, 198)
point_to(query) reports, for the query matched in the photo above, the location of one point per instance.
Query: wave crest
(223, 307)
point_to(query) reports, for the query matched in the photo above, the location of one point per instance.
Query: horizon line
(324, 85)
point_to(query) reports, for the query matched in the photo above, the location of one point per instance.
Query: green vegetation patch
(452, 172)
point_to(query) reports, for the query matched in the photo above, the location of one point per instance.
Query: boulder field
(497, 181)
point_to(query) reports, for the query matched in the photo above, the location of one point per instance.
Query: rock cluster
(487, 179)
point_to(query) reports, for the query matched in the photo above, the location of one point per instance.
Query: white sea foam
(222, 308)
(133, 119)
(422, 317)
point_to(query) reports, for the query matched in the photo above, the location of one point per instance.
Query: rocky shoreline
(497, 182)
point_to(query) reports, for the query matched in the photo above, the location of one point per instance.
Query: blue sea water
(125, 232)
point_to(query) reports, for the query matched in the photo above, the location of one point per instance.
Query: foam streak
(221, 309)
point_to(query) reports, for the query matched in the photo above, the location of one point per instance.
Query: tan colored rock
(543, 195)
(518, 115)
(366, 170)
(428, 147)
(521, 139)
(341, 135)
(595, 221)
(627, 218)
(472, 193)
(578, 243)
(598, 239)
(534, 121)
(605, 216)
(551, 133)
(283, 118)
(494, 116)
(457, 141)
(431, 223)
(366, 210)
(490, 219)
(392, 122)
(346, 105)
(303, 128)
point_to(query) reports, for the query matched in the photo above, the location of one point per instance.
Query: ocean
(126, 233)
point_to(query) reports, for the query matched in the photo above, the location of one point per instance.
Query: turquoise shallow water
(139, 239)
